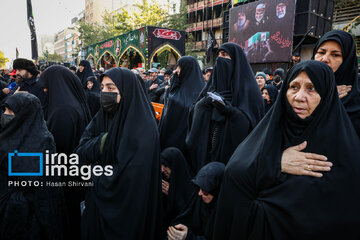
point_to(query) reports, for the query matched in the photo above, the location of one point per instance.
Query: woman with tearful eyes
(337, 49)
(316, 197)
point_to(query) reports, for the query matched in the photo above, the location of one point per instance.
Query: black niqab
(213, 135)
(347, 73)
(257, 201)
(125, 205)
(183, 92)
(87, 72)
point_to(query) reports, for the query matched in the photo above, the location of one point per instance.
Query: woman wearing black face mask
(124, 135)
(216, 128)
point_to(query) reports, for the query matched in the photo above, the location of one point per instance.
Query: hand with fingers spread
(177, 232)
(295, 162)
(343, 90)
(165, 187)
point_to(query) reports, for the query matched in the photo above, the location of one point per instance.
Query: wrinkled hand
(178, 232)
(295, 162)
(6, 90)
(343, 90)
(165, 187)
(153, 86)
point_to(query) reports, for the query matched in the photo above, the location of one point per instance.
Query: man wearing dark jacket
(152, 85)
(27, 78)
(161, 90)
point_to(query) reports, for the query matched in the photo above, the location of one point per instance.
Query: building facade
(202, 16)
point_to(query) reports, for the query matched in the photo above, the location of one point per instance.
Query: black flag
(211, 43)
(34, 48)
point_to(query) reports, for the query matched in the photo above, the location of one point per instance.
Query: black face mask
(108, 101)
(224, 69)
(277, 79)
(5, 119)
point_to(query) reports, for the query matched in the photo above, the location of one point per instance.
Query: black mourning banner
(211, 43)
(264, 29)
(30, 16)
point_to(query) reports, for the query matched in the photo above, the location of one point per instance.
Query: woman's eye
(321, 52)
(293, 87)
(311, 88)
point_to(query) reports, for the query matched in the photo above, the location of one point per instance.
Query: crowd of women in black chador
(213, 168)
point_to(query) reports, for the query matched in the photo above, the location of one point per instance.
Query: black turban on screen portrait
(213, 135)
(257, 201)
(183, 92)
(125, 205)
(347, 73)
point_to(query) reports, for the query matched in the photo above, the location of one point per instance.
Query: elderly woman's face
(330, 53)
(303, 96)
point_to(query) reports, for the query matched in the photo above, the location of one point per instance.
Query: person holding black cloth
(228, 108)
(264, 197)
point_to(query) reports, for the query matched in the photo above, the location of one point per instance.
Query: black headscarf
(27, 212)
(199, 216)
(183, 92)
(273, 92)
(180, 188)
(87, 72)
(257, 201)
(126, 204)
(347, 73)
(93, 95)
(223, 131)
(96, 85)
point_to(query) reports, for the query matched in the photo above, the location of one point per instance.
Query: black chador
(215, 130)
(258, 201)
